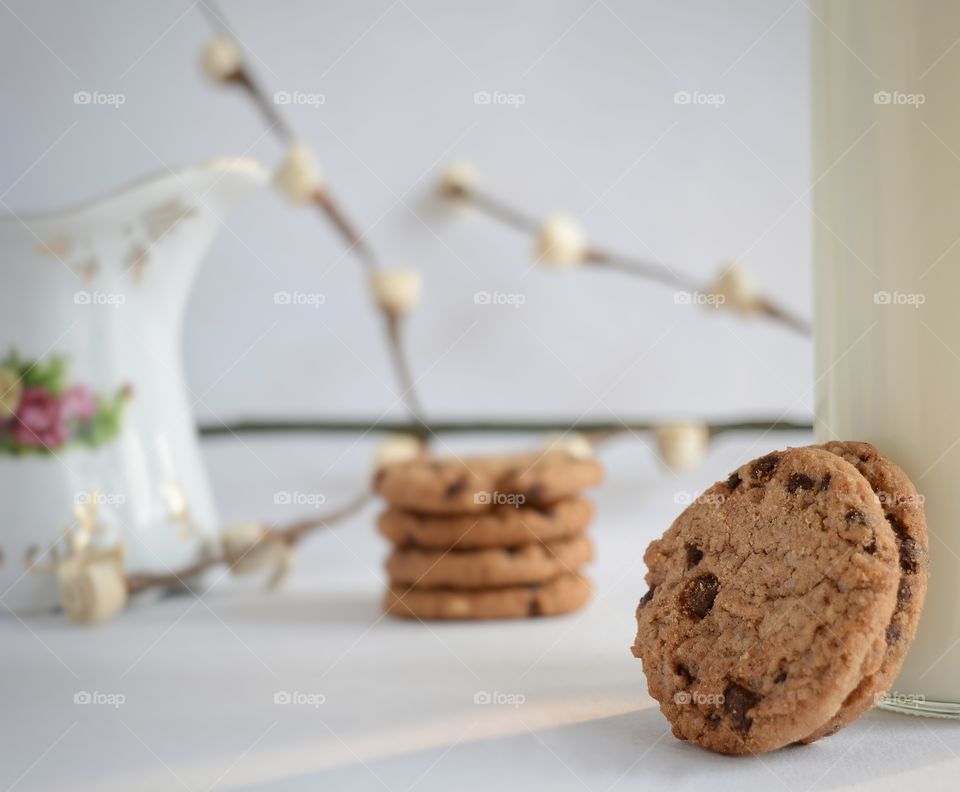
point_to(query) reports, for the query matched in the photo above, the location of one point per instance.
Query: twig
(648, 270)
(480, 426)
(290, 534)
(331, 209)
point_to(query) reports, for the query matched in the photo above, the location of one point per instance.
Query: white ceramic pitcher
(96, 431)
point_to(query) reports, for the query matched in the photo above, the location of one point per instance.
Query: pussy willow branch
(332, 211)
(290, 534)
(648, 270)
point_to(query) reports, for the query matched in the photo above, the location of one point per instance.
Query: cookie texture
(903, 509)
(490, 567)
(767, 602)
(561, 595)
(476, 484)
(501, 526)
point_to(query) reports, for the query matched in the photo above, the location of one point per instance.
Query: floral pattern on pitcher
(42, 412)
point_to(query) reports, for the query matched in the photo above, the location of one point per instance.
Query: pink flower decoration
(78, 402)
(39, 420)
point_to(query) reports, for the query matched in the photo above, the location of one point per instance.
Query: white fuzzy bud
(736, 288)
(561, 243)
(398, 448)
(222, 59)
(299, 175)
(91, 591)
(458, 179)
(682, 445)
(571, 443)
(397, 290)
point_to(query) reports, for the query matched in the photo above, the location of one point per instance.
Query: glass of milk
(886, 98)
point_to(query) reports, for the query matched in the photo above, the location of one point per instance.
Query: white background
(598, 136)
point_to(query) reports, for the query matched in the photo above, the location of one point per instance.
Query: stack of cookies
(487, 537)
(781, 604)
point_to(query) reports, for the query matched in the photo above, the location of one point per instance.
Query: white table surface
(388, 704)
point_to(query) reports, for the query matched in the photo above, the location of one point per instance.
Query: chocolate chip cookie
(501, 526)
(475, 484)
(766, 601)
(903, 508)
(490, 567)
(561, 595)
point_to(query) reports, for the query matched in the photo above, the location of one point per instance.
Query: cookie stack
(781, 604)
(487, 537)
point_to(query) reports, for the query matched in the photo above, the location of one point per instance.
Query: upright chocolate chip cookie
(475, 484)
(766, 601)
(903, 508)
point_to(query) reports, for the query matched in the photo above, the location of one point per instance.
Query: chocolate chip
(536, 494)
(684, 672)
(903, 592)
(825, 483)
(534, 608)
(855, 516)
(799, 481)
(694, 556)
(898, 528)
(764, 468)
(780, 678)
(893, 634)
(871, 546)
(909, 556)
(697, 598)
(734, 481)
(455, 488)
(737, 701)
(648, 596)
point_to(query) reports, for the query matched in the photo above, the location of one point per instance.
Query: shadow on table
(637, 751)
